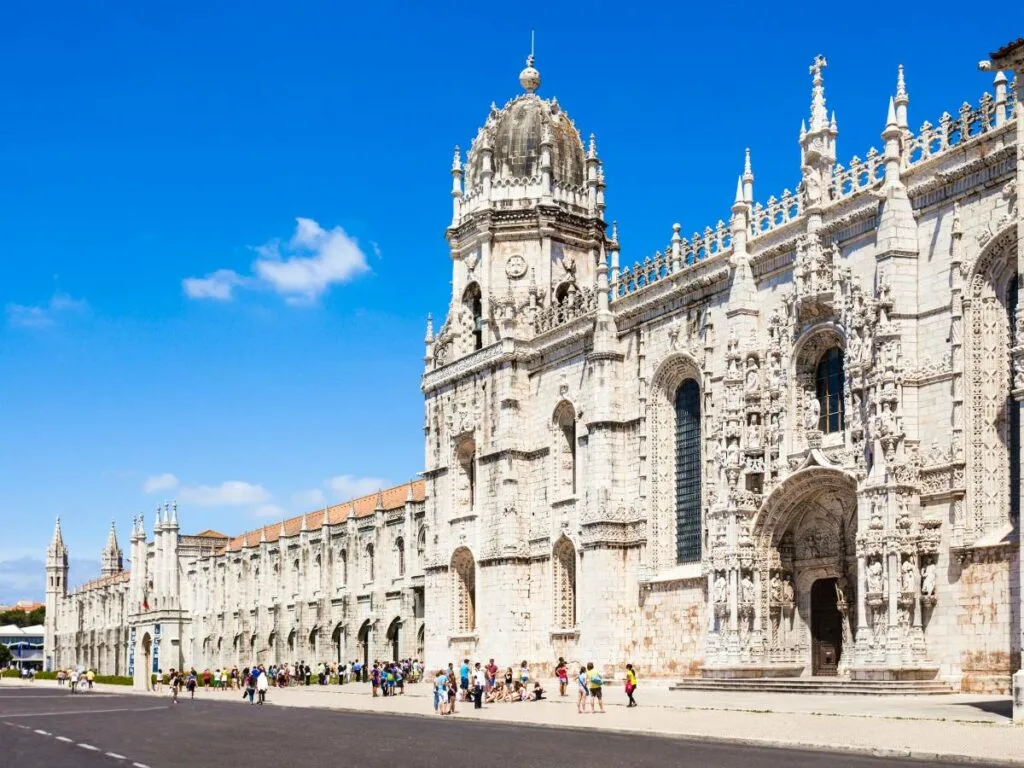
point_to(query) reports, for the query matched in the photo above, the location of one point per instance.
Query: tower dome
(515, 134)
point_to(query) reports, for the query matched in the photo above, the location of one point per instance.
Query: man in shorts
(594, 682)
(464, 680)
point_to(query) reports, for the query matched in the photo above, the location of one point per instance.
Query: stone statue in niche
(928, 580)
(853, 347)
(747, 589)
(787, 590)
(721, 589)
(875, 576)
(776, 589)
(908, 577)
(754, 431)
(876, 515)
(812, 412)
(751, 375)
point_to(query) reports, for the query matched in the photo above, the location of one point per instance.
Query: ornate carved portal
(764, 614)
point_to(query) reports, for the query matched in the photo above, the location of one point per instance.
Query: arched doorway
(394, 636)
(338, 639)
(421, 641)
(363, 643)
(291, 645)
(803, 599)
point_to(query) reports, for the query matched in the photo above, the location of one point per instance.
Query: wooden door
(826, 628)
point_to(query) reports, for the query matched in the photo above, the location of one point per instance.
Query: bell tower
(56, 590)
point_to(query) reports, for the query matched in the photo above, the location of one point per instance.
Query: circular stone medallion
(515, 267)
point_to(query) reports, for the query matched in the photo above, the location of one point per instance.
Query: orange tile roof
(210, 534)
(105, 581)
(364, 506)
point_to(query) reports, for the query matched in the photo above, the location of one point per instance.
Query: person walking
(190, 685)
(175, 683)
(479, 682)
(582, 690)
(261, 686)
(250, 687)
(595, 682)
(630, 685)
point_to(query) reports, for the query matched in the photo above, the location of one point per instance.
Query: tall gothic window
(688, 469)
(474, 303)
(343, 562)
(369, 562)
(463, 575)
(400, 555)
(565, 449)
(828, 386)
(1013, 408)
(563, 559)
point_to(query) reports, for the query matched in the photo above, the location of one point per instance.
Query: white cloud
(217, 285)
(157, 483)
(301, 269)
(46, 315)
(351, 487)
(269, 510)
(231, 493)
(308, 500)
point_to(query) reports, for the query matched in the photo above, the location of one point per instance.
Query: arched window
(369, 563)
(563, 560)
(400, 555)
(1013, 407)
(466, 477)
(688, 472)
(421, 543)
(828, 386)
(343, 562)
(474, 303)
(565, 449)
(463, 575)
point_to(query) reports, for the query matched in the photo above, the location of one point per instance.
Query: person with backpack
(250, 687)
(594, 683)
(190, 685)
(630, 685)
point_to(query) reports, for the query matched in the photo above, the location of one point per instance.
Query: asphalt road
(51, 729)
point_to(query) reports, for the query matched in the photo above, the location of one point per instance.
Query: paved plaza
(41, 724)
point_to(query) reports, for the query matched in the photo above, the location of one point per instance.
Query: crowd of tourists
(482, 684)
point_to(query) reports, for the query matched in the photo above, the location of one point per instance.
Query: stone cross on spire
(819, 115)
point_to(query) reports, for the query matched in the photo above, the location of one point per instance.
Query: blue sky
(294, 161)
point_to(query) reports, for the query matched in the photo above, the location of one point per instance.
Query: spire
(890, 119)
(739, 199)
(305, 525)
(902, 99)
(748, 178)
(592, 148)
(111, 562)
(430, 329)
(614, 241)
(281, 532)
(174, 513)
(263, 535)
(158, 525)
(819, 115)
(409, 497)
(57, 542)
(380, 501)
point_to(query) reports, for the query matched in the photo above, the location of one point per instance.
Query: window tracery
(829, 375)
(463, 575)
(564, 583)
(564, 422)
(688, 472)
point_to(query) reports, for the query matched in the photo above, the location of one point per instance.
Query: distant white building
(25, 644)
(335, 585)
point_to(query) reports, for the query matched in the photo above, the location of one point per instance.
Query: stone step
(817, 685)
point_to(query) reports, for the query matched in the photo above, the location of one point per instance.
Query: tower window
(474, 302)
(828, 385)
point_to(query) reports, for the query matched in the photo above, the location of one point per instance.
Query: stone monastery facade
(339, 584)
(788, 444)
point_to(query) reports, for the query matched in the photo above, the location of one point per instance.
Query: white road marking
(89, 747)
(87, 712)
(42, 733)
(65, 739)
(116, 756)
(139, 765)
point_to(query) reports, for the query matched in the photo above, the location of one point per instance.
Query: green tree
(5, 655)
